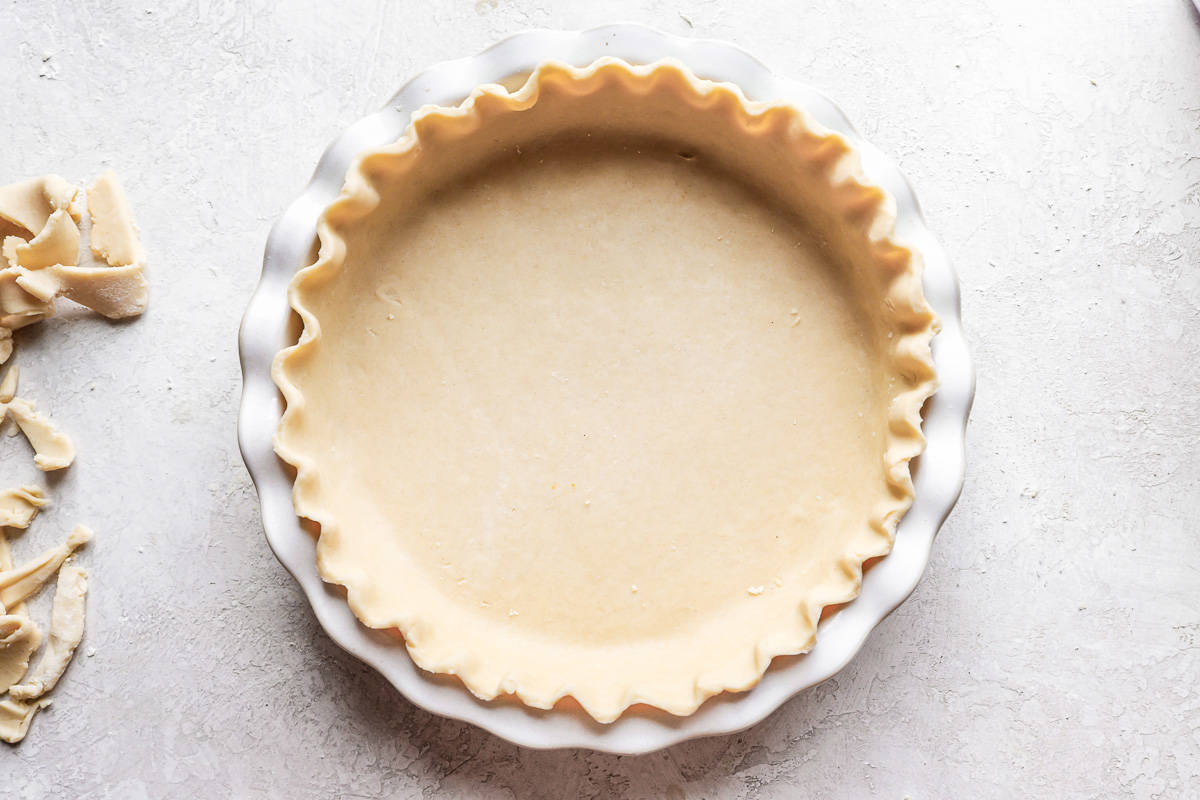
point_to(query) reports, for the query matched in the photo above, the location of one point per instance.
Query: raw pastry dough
(6, 563)
(114, 236)
(115, 292)
(18, 308)
(44, 212)
(582, 362)
(39, 260)
(66, 631)
(40, 284)
(19, 506)
(19, 638)
(52, 449)
(8, 249)
(56, 243)
(39, 253)
(8, 386)
(18, 583)
(8, 389)
(15, 718)
(30, 204)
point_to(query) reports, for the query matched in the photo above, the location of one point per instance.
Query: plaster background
(1053, 649)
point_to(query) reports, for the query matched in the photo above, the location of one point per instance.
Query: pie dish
(270, 324)
(608, 385)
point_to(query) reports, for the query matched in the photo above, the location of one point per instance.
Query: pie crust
(607, 386)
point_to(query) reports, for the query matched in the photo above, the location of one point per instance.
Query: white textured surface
(1052, 647)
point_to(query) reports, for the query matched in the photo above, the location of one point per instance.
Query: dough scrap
(17, 321)
(17, 305)
(8, 386)
(15, 718)
(18, 583)
(8, 389)
(66, 631)
(19, 638)
(8, 250)
(52, 449)
(114, 236)
(6, 563)
(115, 292)
(39, 252)
(39, 284)
(56, 243)
(29, 204)
(19, 506)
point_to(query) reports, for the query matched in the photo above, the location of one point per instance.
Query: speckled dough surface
(1053, 645)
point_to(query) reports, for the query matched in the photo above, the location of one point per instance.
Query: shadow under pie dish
(607, 386)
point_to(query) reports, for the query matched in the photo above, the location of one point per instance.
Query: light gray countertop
(1053, 648)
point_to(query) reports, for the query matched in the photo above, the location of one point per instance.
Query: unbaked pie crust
(607, 386)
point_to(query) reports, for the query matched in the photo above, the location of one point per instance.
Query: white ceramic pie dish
(268, 326)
